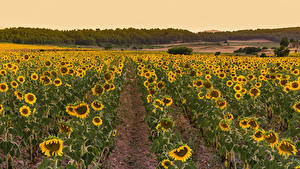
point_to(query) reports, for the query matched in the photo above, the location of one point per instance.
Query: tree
(107, 46)
(180, 50)
(284, 42)
(281, 51)
(217, 53)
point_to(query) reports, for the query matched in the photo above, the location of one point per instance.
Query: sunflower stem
(233, 159)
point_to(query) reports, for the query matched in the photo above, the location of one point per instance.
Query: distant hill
(211, 31)
(132, 36)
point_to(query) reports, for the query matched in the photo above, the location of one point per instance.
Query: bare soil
(132, 146)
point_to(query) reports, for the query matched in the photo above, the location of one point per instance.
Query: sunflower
(294, 85)
(64, 128)
(52, 146)
(238, 96)
(237, 88)
(297, 167)
(229, 83)
(63, 70)
(215, 94)
(228, 117)
(258, 135)
(286, 148)
(3, 87)
(254, 92)
(182, 153)
(70, 110)
(14, 84)
(97, 105)
(253, 123)
(25, 111)
(207, 85)
(81, 110)
(221, 103)
(114, 133)
(224, 125)
(258, 84)
(97, 121)
(166, 124)
(244, 123)
(45, 80)
(108, 76)
(1, 108)
(166, 163)
(271, 137)
(19, 95)
(57, 82)
(161, 85)
(30, 98)
(21, 79)
(167, 101)
(97, 89)
(296, 106)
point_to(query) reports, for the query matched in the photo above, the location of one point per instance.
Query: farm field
(143, 109)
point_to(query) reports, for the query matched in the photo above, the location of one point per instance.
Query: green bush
(180, 50)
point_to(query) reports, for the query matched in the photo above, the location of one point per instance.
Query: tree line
(131, 36)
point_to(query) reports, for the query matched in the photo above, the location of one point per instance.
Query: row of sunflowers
(247, 108)
(60, 104)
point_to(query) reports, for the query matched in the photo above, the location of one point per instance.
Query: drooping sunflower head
(166, 124)
(82, 110)
(182, 153)
(296, 106)
(167, 101)
(221, 103)
(52, 146)
(224, 126)
(30, 98)
(25, 111)
(271, 137)
(258, 135)
(97, 105)
(65, 128)
(97, 89)
(97, 121)
(286, 147)
(228, 117)
(166, 163)
(244, 123)
(253, 123)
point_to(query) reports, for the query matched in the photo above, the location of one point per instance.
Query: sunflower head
(258, 135)
(167, 101)
(224, 126)
(271, 137)
(166, 124)
(181, 153)
(81, 110)
(30, 98)
(25, 111)
(166, 163)
(98, 90)
(244, 123)
(3, 87)
(296, 106)
(228, 117)
(97, 105)
(286, 147)
(97, 121)
(52, 146)
(65, 128)
(253, 123)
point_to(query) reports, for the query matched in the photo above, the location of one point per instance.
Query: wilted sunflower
(271, 137)
(221, 103)
(224, 125)
(97, 105)
(182, 153)
(57, 82)
(30, 98)
(97, 121)
(21, 79)
(296, 106)
(228, 117)
(52, 146)
(166, 163)
(108, 76)
(207, 85)
(167, 101)
(286, 148)
(97, 89)
(3, 87)
(82, 110)
(253, 123)
(258, 135)
(14, 84)
(166, 124)
(64, 128)
(244, 123)
(25, 111)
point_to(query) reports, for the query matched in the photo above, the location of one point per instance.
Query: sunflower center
(3, 87)
(30, 97)
(295, 85)
(258, 134)
(81, 109)
(182, 152)
(53, 147)
(286, 147)
(97, 120)
(25, 111)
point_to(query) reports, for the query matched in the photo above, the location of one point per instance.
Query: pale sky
(193, 15)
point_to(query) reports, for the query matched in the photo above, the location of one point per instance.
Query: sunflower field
(59, 107)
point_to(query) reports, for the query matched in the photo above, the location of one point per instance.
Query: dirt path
(132, 147)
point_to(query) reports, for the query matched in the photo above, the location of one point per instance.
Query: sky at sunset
(193, 15)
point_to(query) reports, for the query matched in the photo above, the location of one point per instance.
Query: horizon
(192, 15)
